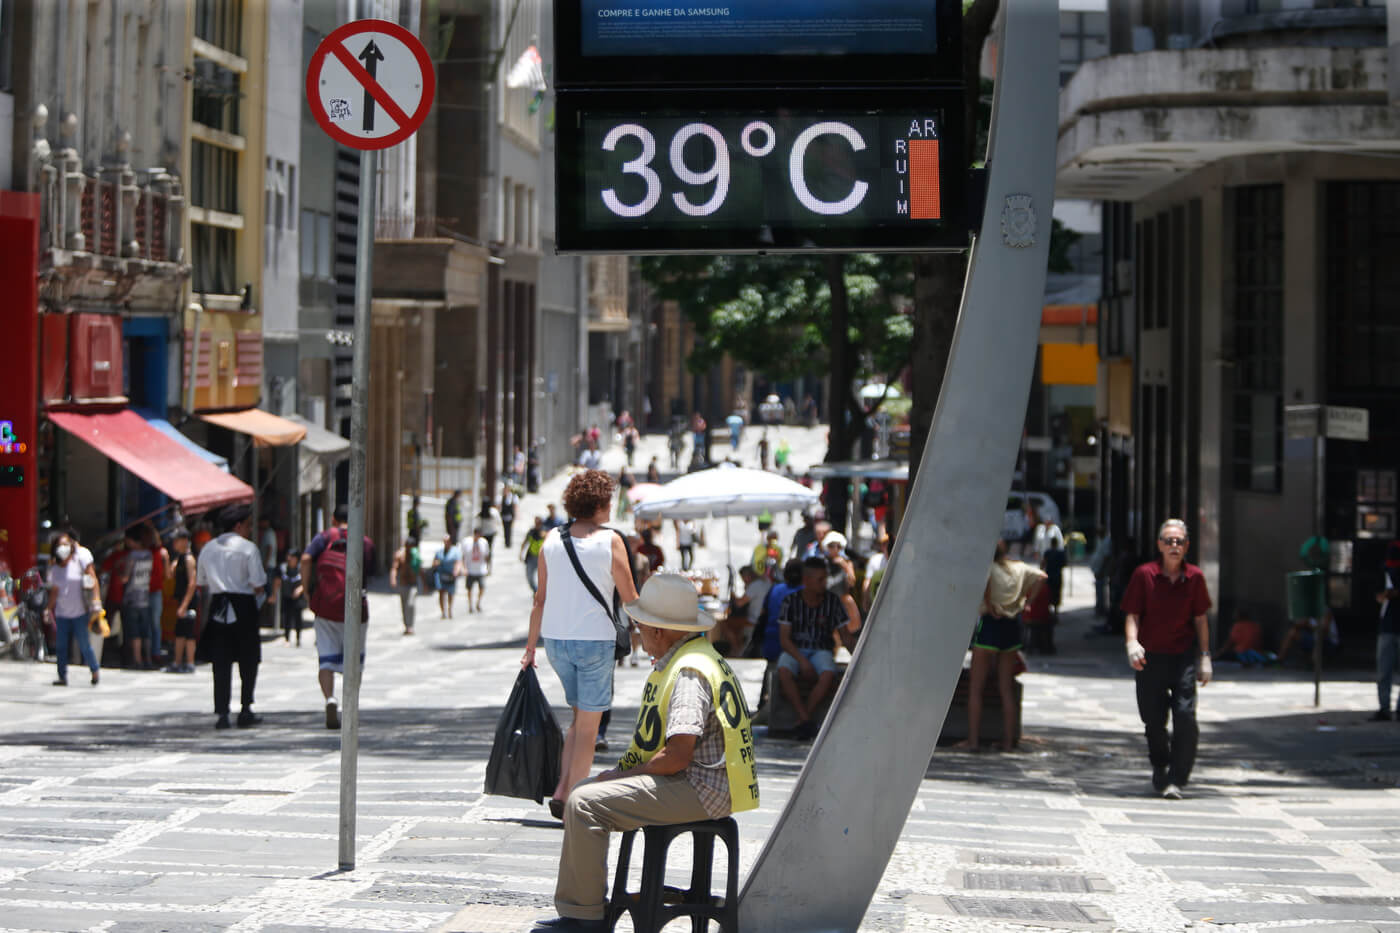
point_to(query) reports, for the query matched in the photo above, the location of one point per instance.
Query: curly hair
(588, 493)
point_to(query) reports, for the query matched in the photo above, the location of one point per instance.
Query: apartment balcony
(112, 240)
(1132, 124)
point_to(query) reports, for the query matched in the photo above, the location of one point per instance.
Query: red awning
(126, 439)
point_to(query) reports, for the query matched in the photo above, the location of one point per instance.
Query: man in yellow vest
(691, 757)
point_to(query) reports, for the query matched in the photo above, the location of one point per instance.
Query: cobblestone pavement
(122, 810)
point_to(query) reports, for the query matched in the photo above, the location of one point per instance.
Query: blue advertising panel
(629, 28)
(757, 43)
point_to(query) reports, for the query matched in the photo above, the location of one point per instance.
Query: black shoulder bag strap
(620, 627)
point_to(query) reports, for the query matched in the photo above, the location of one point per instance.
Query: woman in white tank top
(578, 632)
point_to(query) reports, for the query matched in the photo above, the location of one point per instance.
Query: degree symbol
(745, 139)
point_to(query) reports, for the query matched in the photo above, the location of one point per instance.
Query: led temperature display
(789, 178)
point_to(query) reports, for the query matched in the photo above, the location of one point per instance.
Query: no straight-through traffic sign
(370, 84)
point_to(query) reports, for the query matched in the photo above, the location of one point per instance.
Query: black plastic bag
(529, 748)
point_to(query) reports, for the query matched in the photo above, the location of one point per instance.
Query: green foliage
(772, 314)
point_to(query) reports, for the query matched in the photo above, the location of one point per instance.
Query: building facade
(1246, 157)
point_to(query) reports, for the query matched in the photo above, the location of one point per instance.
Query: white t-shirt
(71, 601)
(230, 564)
(477, 552)
(490, 523)
(685, 534)
(570, 611)
(1048, 538)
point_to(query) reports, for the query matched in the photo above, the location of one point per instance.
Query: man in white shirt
(231, 574)
(477, 554)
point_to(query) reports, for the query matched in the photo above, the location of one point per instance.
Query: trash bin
(1075, 546)
(1307, 594)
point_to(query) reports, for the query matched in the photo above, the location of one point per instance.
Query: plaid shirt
(692, 712)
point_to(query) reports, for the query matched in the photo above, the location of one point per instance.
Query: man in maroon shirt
(1168, 643)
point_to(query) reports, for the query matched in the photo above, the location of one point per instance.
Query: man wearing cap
(1167, 635)
(691, 758)
(230, 572)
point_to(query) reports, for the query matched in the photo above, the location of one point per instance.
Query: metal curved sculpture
(828, 851)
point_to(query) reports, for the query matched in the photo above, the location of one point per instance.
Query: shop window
(1257, 330)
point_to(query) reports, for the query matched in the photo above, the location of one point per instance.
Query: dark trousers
(224, 643)
(505, 530)
(687, 555)
(1167, 685)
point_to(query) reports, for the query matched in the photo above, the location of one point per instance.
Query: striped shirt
(692, 712)
(812, 626)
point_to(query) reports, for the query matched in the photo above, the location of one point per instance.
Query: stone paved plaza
(122, 810)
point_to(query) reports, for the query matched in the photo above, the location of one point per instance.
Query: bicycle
(27, 639)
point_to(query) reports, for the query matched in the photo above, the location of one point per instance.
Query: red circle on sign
(340, 35)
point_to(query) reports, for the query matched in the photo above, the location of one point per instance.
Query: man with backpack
(323, 564)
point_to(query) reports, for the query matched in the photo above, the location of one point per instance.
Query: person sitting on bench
(807, 625)
(691, 758)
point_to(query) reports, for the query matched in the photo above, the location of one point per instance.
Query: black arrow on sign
(371, 56)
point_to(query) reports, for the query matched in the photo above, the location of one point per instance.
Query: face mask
(62, 551)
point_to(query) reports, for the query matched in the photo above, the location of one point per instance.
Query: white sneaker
(1171, 792)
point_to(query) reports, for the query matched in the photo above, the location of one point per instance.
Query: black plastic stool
(649, 907)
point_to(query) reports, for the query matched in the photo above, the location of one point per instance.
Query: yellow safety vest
(730, 709)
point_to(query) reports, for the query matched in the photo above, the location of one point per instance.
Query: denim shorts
(822, 661)
(585, 669)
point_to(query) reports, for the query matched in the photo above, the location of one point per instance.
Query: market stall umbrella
(724, 491)
(641, 491)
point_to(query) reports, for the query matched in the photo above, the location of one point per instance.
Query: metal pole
(1319, 525)
(354, 554)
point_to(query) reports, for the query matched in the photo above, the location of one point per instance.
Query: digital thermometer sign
(794, 176)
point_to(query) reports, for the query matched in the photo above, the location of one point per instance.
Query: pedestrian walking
(183, 571)
(572, 614)
(685, 543)
(478, 559)
(71, 579)
(488, 525)
(324, 565)
(1100, 564)
(452, 514)
(518, 463)
(996, 641)
(653, 471)
(403, 579)
(447, 567)
(552, 518)
(510, 505)
(288, 588)
(160, 564)
(763, 451)
(1167, 636)
(1388, 633)
(417, 524)
(137, 624)
(625, 482)
(230, 571)
(530, 552)
(532, 470)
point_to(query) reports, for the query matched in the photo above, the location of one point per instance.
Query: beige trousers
(597, 808)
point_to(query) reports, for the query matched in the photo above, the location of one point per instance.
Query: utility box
(95, 356)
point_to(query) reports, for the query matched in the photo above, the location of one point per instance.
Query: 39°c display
(753, 180)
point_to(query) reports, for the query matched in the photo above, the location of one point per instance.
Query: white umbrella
(724, 491)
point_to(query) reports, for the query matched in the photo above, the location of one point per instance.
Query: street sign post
(370, 84)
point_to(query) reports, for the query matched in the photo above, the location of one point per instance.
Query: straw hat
(669, 600)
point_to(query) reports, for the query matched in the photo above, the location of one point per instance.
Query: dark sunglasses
(1173, 542)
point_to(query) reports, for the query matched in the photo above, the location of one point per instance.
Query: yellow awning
(265, 428)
